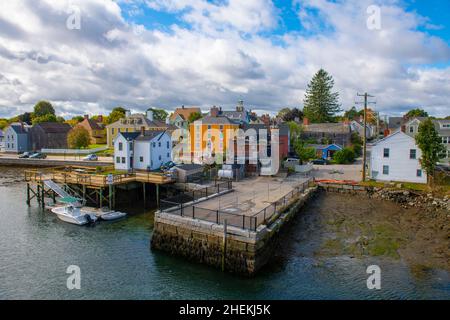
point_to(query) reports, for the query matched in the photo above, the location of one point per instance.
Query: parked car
(38, 155)
(320, 161)
(90, 157)
(24, 155)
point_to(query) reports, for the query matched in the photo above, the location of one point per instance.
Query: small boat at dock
(113, 215)
(74, 215)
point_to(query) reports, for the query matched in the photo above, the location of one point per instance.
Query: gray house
(327, 133)
(49, 135)
(16, 138)
(411, 128)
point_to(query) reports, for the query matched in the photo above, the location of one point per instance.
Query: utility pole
(366, 102)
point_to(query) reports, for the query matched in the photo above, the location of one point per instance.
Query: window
(159, 157)
(120, 146)
(419, 173)
(168, 155)
(112, 130)
(446, 125)
(131, 145)
(168, 144)
(209, 126)
(154, 144)
(123, 159)
(412, 153)
(385, 169)
(141, 159)
(159, 144)
(117, 159)
(411, 129)
(386, 153)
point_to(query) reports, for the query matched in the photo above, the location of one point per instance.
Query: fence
(236, 220)
(74, 151)
(194, 195)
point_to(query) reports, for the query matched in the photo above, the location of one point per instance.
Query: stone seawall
(405, 198)
(245, 252)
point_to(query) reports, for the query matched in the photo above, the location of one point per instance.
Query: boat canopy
(69, 200)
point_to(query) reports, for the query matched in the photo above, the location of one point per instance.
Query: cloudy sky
(91, 55)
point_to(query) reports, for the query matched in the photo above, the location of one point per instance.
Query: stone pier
(243, 251)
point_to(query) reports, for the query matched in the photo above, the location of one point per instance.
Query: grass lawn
(95, 146)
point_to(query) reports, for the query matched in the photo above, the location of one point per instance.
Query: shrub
(344, 156)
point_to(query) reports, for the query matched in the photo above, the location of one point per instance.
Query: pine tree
(320, 103)
(431, 146)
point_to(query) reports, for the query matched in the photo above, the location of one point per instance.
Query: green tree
(351, 114)
(3, 124)
(116, 114)
(287, 114)
(417, 113)
(78, 138)
(320, 103)
(43, 108)
(194, 116)
(45, 118)
(159, 114)
(431, 146)
(344, 156)
(303, 152)
(26, 117)
(295, 131)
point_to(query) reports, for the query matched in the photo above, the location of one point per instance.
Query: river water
(116, 262)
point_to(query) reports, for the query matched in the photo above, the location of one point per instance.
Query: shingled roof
(184, 112)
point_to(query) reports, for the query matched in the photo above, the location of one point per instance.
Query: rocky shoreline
(409, 199)
(405, 198)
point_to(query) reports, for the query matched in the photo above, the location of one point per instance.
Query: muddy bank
(356, 226)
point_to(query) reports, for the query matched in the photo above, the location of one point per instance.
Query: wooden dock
(99, 188)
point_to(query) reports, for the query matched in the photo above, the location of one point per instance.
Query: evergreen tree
(320, 103)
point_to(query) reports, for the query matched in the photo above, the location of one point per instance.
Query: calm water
(117, 263)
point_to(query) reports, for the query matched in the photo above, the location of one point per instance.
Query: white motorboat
(113, 215)
(74, 215)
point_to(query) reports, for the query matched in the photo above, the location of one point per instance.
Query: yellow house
(134, 123)
(211, 133)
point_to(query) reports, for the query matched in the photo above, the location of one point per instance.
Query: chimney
(143, 131)
(182, 107)
(100, 118)
(214, 112)
(150, 114)
(127, 113)
(305, 121)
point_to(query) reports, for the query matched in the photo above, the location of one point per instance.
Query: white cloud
(221, 58)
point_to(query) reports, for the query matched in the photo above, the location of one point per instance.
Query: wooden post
(38, 196)
(143, 190)
(110, 196)
(28, 194)
(101, 197)
(157, 195)
(224, 244)
(43, 197)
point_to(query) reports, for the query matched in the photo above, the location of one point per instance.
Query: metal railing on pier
(243, 221)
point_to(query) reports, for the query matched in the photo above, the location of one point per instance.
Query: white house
(358, 127)
(396, 158)
(145, 150)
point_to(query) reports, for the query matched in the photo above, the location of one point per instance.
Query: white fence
(74, 151)
(304, 168)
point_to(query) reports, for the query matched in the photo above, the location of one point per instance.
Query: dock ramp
(65, 194)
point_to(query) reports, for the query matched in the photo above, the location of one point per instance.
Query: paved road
(60, 158)
(339, 171)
